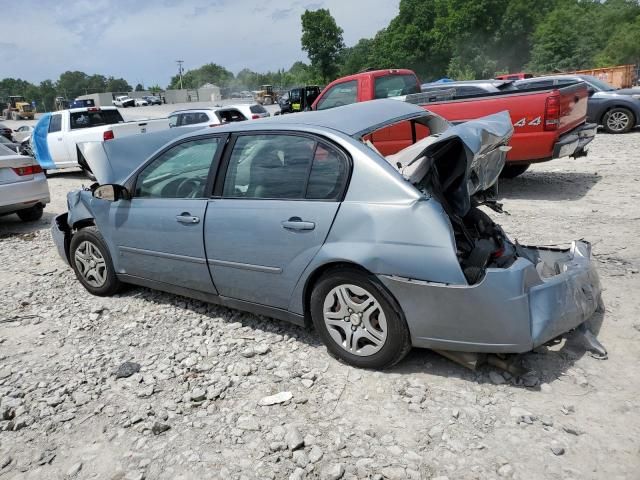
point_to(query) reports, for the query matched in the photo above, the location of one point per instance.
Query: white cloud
(140, 41)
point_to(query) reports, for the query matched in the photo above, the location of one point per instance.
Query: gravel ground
(216, 393)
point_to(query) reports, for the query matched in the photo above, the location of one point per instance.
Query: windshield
(93, 119)
(599, 84)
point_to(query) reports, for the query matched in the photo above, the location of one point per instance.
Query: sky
(141, 40)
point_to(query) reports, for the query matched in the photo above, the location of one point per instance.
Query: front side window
(341, 94)
(173, 120)
(180, 172)
(55, 124)
(396, 85)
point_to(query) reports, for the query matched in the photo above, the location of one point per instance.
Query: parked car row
(213, 117)
(124, 101)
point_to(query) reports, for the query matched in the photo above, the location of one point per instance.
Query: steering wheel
(189, 188)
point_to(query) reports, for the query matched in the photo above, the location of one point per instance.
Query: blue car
(300, 218)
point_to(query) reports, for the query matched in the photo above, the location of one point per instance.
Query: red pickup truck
(548, 122)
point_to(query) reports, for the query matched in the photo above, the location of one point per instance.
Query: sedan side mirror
(111, 193)
(591, 90)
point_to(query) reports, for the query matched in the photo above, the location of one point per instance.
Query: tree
(623, 47)
(139, 88)
(117, 85)
(209, 73)
(72, 84)
(322, 40)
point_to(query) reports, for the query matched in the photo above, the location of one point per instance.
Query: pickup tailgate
(137, 127)
(573, 106)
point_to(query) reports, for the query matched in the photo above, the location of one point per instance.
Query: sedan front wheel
(358, 321)
(92, 263)
(618, 120)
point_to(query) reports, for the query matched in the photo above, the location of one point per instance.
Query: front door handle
(186, 217)
(296, 223)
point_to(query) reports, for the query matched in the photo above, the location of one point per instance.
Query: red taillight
(552, 113)
(29, 170)
(107, 135)
(255, 117)
(93, 109)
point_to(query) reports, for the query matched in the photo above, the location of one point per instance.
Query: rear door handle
(186, 217)
(296, 223)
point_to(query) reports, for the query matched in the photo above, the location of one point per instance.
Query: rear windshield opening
(396, 85)
(94, 119)
(257, 109)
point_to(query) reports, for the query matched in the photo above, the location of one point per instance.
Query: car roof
(353, 120)
(194, 110)
(550, 77)
(93, 109)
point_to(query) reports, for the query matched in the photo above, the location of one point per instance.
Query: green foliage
(322, 40)
(209, 73)
(139, 88)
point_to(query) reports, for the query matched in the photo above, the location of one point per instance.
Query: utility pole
(180, 70)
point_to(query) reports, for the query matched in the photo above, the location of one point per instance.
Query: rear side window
(173, 120)
(257, 109)
(55, 124)
(94, 119)
(328, 174)
(284, 167)
(396, 85)
(341, 94)
(194, 117)
(231, 115)
(269, 166)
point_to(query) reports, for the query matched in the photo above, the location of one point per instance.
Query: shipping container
(622, 76)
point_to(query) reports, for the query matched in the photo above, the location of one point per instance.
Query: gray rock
(293, 438)
(315, 454)
(332, 472)
(300, 458)
(394, 473)
(557, 450)
(298, 474)
(159, 428)
(280, 397)
(80, 398)
(306, 382)
(505, 470)
(197, 395)
(73, 471)
(134, 475)
(496, 378)
(127, 369)
(5, 460)
(261, 349)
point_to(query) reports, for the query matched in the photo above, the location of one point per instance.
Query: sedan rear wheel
(358, 320)
(618, 120)
(92, 263)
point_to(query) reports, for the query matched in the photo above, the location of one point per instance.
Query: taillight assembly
(255, 117)
(107, 135)
(552, 113)
(28, 170)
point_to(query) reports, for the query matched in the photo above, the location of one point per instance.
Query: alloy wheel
(91, 264)
(618, 121)
(355, 320)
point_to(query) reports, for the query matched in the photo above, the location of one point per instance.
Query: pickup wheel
(513, 171)
(618, 120)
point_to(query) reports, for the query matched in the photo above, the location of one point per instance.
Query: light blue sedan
(300, 218)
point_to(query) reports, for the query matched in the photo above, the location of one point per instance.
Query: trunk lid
(460, 162)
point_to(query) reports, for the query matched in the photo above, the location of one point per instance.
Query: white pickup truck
(124, 101)
(67, 128)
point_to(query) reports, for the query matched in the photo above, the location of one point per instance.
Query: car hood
(460, 162)
(113, 161)
(629, 91)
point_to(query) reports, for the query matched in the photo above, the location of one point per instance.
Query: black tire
(31, 214)
(111, 284)
(397, 343)
(618, 120)
(513, 171)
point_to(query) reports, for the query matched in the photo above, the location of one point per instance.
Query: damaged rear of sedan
(299, 218)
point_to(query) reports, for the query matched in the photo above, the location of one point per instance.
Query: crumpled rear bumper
(573, 143)
(512, 310)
